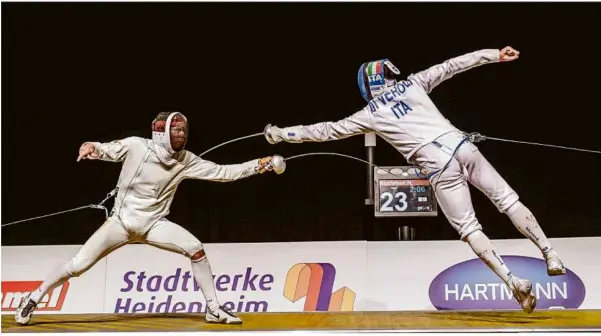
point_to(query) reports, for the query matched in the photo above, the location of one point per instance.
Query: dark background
(73, 72)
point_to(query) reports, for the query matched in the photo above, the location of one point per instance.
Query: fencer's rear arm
(206, 170)
(358, 123)
(433, 76)
(114, 151)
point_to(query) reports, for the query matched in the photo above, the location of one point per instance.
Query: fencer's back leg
(108, 238)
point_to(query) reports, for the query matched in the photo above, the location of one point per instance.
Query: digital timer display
(403, 195)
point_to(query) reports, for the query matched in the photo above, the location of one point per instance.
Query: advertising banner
(447, 275)
(276, 277)
(307, 276)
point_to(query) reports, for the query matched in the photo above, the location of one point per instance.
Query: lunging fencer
(151, 172)
(403, 115)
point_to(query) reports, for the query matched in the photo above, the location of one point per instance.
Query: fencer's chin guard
(375, 77)
(278, 164)
(170, 131)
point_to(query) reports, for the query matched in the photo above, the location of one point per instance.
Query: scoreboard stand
(398, 192)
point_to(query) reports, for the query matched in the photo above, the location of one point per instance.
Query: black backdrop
(73, 72)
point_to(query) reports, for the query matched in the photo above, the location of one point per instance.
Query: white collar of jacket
(164, 156)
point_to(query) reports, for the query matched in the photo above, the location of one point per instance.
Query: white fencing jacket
(147, 186)
(404, 115)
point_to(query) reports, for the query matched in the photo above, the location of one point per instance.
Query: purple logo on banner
(472, 285)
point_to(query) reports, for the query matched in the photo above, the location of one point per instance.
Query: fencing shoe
(25, 310)
(522, 291)
(554, 264)
(222, 315)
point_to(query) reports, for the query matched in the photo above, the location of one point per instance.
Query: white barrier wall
(308, 276)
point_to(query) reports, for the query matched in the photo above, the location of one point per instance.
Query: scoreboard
(402, 191)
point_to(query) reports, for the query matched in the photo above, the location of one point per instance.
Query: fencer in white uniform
(403, 114)
(151, 171)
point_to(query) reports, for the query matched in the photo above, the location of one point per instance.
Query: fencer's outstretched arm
(206, 170)
(358, 123)
(433, 76)
(114, 151)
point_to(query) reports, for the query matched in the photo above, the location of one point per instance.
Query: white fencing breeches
(451, 185)
(169, 236)
(112, 235)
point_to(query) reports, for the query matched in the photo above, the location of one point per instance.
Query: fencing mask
(170, 131)
(375, 77)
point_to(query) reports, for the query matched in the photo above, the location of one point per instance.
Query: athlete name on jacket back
(399, 108)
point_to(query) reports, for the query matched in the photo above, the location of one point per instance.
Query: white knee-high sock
(484, 248)
(204, 277)
(526, 223)
(56, 278)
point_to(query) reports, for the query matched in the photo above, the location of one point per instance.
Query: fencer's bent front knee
(503, 197)
(472, 236)
(513, 208)
(468, 229)
(194, 250)
(506, 201)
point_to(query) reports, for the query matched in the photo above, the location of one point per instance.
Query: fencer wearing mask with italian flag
(151, 171)
(402, 113)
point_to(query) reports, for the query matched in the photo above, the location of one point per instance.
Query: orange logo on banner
(315, 283)
(14, 291)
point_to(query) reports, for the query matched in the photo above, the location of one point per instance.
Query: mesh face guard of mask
(170, 130)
